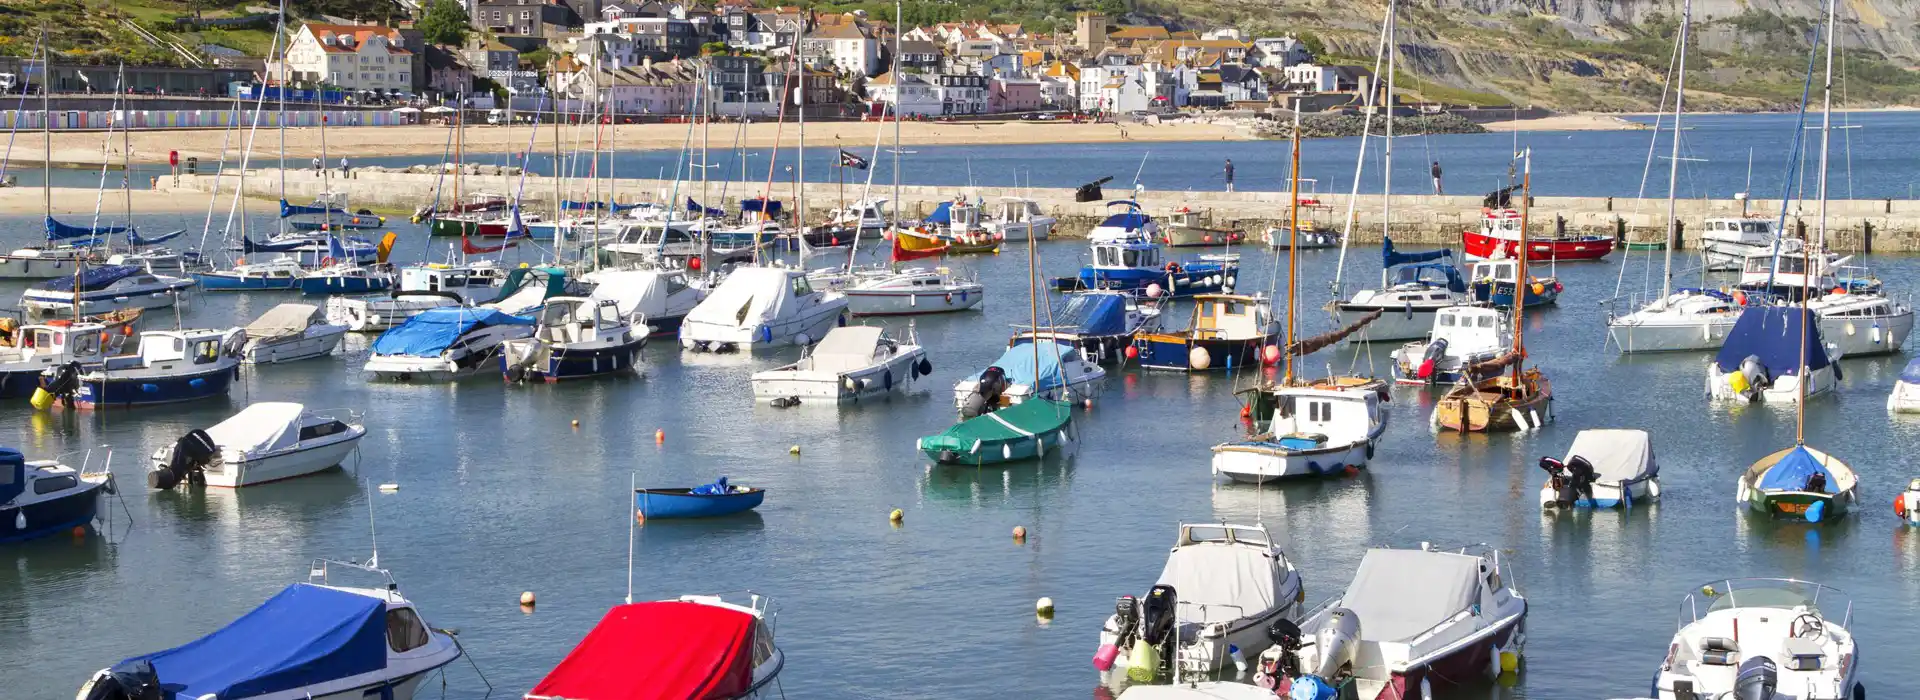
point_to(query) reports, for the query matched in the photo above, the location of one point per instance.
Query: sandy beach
(1567, 122)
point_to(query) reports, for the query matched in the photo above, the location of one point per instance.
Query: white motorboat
(1130, 224)
(26, 352)
(1686, 320)
(312, 641)
(1767, 356)
(165, 367)
(1863, 323)
(1416, 618)
(1306, 236)
(445, 344)
(575, 338)
(421, 287)
(102, 290)
(913, 290)
(761, 308)
(1304, 432)
(1462, 336)
(647, 242)
(1603, 469)
(695, 646)
(1222, 587)
(663, 298)
(1202, 690)
(1063, 372)
(46, 263)
(1906, 390)
(290, 332)
(1728, 242)
(849, 365)
(1413, 288)
(1017, 219)
(43, 497)
(267, 441)
(1764, 639)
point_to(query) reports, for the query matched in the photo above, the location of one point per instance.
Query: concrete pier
(1872, 225)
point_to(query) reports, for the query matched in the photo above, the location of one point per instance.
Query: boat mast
(559, 199)
(1673, 160)
(1386, 144)
(898, 89)
(1360, 162)
(46, 131)
(279, 119)
(1520, 279)
(800, 151)
(459, 148)
(1806, 251)
(1293, 248)
(126, 171)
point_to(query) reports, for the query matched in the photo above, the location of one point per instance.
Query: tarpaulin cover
(14, 466)
(847, 349)
(134, 239)
(1221, 582)
(1911, 374)
(1773, 333)
(1791, 472)
(1130, 219)
(92, 278)
(1400, 593)
(717, 488)
(305, 635)
(247, 245)
(942, 214)
(694, 207)
(58, 231)
(1019, 421)
(570, 204)
(670, 650)
(1018, 363)
(259, 429)
(1095, 314)
(1390, 257)
(758, 204)
(748, 296)
(427, 334)
(283, 320)
(1617, 456)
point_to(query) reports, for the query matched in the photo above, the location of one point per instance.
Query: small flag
(849, 160)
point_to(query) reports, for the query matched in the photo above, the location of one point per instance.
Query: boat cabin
(1229, 316)
(1331, 412)
(1503, 224)
(1754, 230)
(866, 214)
(1117, 255)
(1016, 209)
(1128, 223)
(1496, 271)
(567, 320)
(55, 343)
(442, 278)
(1471, 327)
(1187, 218)
(158, 348)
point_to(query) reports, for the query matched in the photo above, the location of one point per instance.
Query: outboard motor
(1435, 350)
(1287, 638)
(1580, 478)
(132, 680)
(1338, 641)
(191, 454)
(1157, 614)
(1126, 617)
(1756, 375)
(986, 393)
(1757, 679)
(65, 383)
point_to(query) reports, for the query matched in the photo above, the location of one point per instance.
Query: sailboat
(1520, 398)
(66, 246)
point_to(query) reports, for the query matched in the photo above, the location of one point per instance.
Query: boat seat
(1719, 651)
(1802, 654)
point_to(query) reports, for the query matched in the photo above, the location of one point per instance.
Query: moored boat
(1413, 288)
(278, 274)
(1493, 283)
(711, 500)
(27, 352)
(421, 287)
(1770, 353)
(264, 442)
(1026, 430)
(1303, 431)
(761, 308)
(851, 364)
(444, 344)
(1799, 483)
(1462, 338)
(663, 298)
(1186, 228)
(1603, 469)
(692, 647)
(1227, 332)
(105, 289)
(1223, 585)
(575, 338)
(1905, 397)
(290, 332)
(1762, 639)
(1102, 323)
(1499, 237)
(166, 367)
(44, 497)
(1053, 371)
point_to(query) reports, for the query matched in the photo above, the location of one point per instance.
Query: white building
(646, 89)
(1312, 78)
(913, 96)
(1057, 91)
(847, 46)
(1281, 52)
(351, 57)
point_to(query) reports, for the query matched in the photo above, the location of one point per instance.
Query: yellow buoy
(526, 598)
(1043, 607)
(576, 423)
(896, 516)
(659, 436)
(1509, 661)
(389, 488)
(794, 450)
(1019, 533)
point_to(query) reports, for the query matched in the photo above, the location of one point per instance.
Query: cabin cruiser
(648, 242)
(281, 273)
(1462, 336)
(1018, 219)
(1303, 431)
(100, 290)
(1414, 619)
(1136, 265)
(913, 290)
(1061, 373)
(1227, 331)
(313, 640)
(1904, 399)
(1764, 639)
(1603, 469)
(574, 338)
(866, 218)
(1101, 322)
(421, 287)
(1686, 320)
(44, 497)
(663, 298)
(1862, 323)
(445, 344)
(1129, 223)
(1222, 587)
(1413, 288)
(1767, 356)
(761, 308)
(851, 364)
(290, 332)
(27, 352)
(166, 367)
(266, 441)
(1728, 242)
(694, 646)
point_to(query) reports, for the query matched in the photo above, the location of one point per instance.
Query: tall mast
(1386, 102)
(126, 168)
(46, 130)
(1520, 280)
(898, 93)
(800, 149)
(280, 111)
(459, 147)
(1806, 251)
(1293, 247)
(1673, 160)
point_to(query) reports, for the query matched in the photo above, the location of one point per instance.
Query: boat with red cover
(1499, 238)
(693, 648)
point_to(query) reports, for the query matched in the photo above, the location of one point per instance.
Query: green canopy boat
(1025, 430)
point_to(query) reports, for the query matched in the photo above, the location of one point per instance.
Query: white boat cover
(1616, 455)
(1207, 690)
(1400, 593)
(644, 291)
(846, 349)
(1231, 581)
(259, 429)
(282, 320)
(748, 295)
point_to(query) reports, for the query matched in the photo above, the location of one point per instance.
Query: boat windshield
(1777, 593)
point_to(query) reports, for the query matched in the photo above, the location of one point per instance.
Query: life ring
(326, 261)
(949, 297)
(1173, 268)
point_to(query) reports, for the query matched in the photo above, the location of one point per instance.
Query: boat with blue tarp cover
(706, 501)
(44, 497)
(1101, 322)
(1413, 287)
(1053, 371)
(1799, 483)
(312, 641)
(166, 367)
(1770, 350)
(103, 289)
(445, 343)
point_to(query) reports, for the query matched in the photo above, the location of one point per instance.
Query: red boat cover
(467, 246)
(658, 651)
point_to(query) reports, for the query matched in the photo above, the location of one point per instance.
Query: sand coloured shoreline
(1566, 122)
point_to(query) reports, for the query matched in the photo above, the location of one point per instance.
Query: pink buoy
(1271, 354)
(1153, 291)
(1133, 353)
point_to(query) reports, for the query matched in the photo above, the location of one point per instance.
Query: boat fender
(949, 298)
(850, 384)
(802, 339)
(925, 367)
(1199, 359)
(1435, 350)
(1816, 511)
(1369, 450)
(1006, 451)
(889, 380)
(1900, 505)
(150, 388)
(20, 520)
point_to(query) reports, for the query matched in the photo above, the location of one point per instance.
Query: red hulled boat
(1499, 238)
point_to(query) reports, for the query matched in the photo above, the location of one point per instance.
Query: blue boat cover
(717, 488)
(1128, 220)
(1791, 472)
(1390, 258)
(1911, 374)
(1773, 334)
(335, 250)
(570, 204)
(287, 210)
(758, 204)
(57, 231)
(134, 239)
(427, 334)
(92, 278)
(1095, 314)
(942, 214)
(1018, 363)
(305, 635)
(247, 245)
(15, 464)
(694, 207)
(618, 207)
(1411, 273)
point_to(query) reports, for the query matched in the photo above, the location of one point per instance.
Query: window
(404, 631)
(57, 483)
(206, 351)
(1446, 321)
(1486, 321)
(85, 344)
(801, 287)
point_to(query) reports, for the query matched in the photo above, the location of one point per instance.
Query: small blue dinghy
(715, 499)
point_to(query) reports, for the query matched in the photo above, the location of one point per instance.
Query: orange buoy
(1246, 411)
(1133, 353)
(659, 436)
(1900, 505)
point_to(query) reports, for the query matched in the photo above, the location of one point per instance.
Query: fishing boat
(1052, 370)
(347, 278)
(28, 351)
(1025, 430)
(1136, 265)
(692, 647)
(1306, 236)
(313, 640)
(264, 442)
(1413, 619)
(1019, 219)
(167, 367)
(851, 364)
(44, 497)
(712, 500)
(1603, 469)
(290, 332)
(1187, 228)
(1499, 237)
(444, 344)
(662, 298)
(575, 338)
(1726, 243)
(1905, 397)
(1413, 290)
(1222, 587)
(1493, 284)
(460, 218)
(105, 289)
(1125, 221)
(1772, 355)
(1462, 337)
(957, 223)
(1101, 322)
(761, 308)
(1227, 331)
(278, 274)
(1799, 483)
(1870, 322)
(421, 287)
(1762, 638)
(1303, 431)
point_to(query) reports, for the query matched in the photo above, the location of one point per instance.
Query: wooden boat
(1227, 331)
(712, 500)
(973, 242)
(1185, 229)
(1026, 430)
(913, 245)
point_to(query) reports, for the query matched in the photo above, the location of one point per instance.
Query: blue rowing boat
(711, 500)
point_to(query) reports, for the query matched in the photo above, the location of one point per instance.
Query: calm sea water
(1723, 154)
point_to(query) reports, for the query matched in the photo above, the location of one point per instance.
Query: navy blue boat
(1493, 284)
(43, 498)
(1125, 259)
(711, 500)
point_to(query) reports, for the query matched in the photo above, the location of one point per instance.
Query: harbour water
(498, 494)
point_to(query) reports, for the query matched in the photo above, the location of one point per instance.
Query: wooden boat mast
(1293, 247)
(1520, 279)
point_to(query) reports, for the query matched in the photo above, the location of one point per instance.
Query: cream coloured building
(351, 57)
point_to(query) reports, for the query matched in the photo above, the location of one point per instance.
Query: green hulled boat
(1024, 430)
(1646, 245)
(1799, 483)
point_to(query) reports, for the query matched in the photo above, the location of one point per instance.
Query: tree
(445, 23)
(538, 58)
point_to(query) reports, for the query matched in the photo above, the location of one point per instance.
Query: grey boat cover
(282, 320)
(1617, 456)
(846, 349)
(1400, 593)
(1220, 582)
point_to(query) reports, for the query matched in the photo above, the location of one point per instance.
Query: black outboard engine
(1157, 614)
(65, 383)
(1286, 636)
(1580, 477)
(132, 680)
(986, 393)
(1757, 679)
(1126, 612)
(191, 454)
(1435, 350)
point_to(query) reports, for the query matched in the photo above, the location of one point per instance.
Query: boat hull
(896, 302)
(20, 384)
(280, 467)
(135, 391)
(654, 504)
(988, 452)
(1199, 278)
(897, 374)
(52, 516)
(1866, 335)
(34, 267)
(321, 285)
(1395, 323)
(1483, 247)
(1176, 352)
(1251, 462)
(1471, 661)
(317, 341)
(1500, 294)
(53, 303)
(1496, 405)
(225, 282)
(1195, 237)
(571, 363)
(1793, 505)
(1705, 333)
(813, 326)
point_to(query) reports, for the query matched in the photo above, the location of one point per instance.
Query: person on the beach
(1229, 173)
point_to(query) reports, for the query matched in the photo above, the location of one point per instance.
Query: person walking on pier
(316, 165)
(1229, 174)
(345, 172)
(1436, 178)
